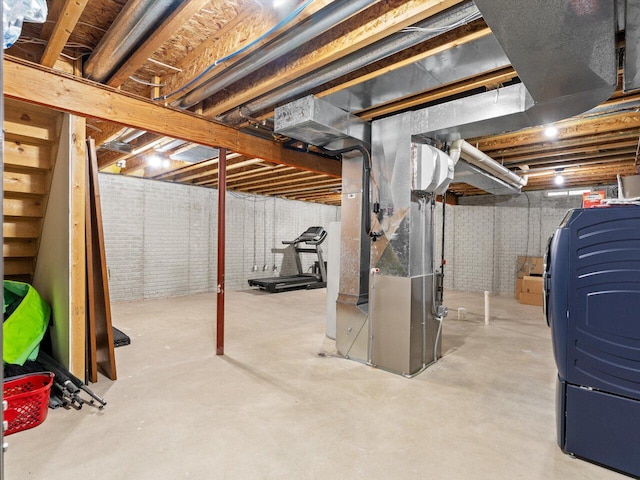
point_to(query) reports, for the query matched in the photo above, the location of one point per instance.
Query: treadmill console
(312, 236)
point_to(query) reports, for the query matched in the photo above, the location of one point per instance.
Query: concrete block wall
(161, 238)
(486, 234)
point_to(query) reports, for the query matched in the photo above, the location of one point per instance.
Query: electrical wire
(444, 28)
(278, 26)
(144, 82)
(526, 252)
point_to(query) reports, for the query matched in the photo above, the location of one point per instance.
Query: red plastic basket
(27, 398)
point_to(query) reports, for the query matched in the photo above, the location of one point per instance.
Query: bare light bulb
(551, 132)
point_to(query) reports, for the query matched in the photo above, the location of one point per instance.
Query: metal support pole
(487, 313)
(222, 192)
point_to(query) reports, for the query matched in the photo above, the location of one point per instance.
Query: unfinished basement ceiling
(171, 57)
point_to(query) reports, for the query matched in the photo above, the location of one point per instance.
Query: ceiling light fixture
(154, 161)
(279, 3)
(166, 163)
(559, 179)
(551, 132)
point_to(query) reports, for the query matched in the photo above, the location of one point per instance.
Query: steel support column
(222, 192)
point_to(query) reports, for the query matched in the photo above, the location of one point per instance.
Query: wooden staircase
(31, 142)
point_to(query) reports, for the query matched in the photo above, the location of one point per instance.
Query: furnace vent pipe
(431, 28)
(461, 148)
(330, 16)
(127, 31)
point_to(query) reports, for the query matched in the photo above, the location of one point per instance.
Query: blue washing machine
(592, 293)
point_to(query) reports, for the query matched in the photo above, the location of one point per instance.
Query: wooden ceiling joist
(580, 127)
(546, 145)
(68, 14)
(252, 22)
(302, 187)
(377, 22)
(252, 173)
(177, 19)
(282, 180)
(42, 86)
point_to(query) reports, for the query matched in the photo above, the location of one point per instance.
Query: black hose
(366, 181)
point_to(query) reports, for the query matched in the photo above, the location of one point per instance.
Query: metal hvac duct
(564, 51)
(330, 16)
(433, 26)
(127, 31)
(466, 151)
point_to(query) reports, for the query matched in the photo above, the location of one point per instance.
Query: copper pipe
(222, 191)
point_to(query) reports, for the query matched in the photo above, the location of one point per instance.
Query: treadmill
(312, 237)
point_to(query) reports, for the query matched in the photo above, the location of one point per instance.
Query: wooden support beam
(36, 84)
(69, 14)
(373, 24)
(158, 37)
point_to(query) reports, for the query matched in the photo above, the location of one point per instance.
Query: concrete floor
(272, 408)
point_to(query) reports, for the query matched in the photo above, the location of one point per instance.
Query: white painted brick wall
(161, 238)
(491, 232)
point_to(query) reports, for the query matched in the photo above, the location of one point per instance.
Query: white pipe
(486, 307)
(483, 161)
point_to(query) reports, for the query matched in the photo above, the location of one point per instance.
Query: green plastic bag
(25, 327)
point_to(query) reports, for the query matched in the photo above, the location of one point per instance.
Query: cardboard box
(591, 199)
(629, 187)
(532, 285)
(536, 265)
(531, 299)
(518, 287)
(529, 266)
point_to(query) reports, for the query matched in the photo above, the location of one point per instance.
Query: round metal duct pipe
(461, 148)
(330, 16)
(128, 29)
(433, 26)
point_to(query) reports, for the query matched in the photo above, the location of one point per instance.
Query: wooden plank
(156, 39)
(303, 187)
(35, 126)
(105, 356)
(23, 207)
(91, 365)
(77, 252)
(23, 156)
(42, 86)
(601, 148)
(31, 183)
(69, 14)
(547, 145)
(572, 128)
(251, 173)
(233, 166)
(21, 228)
(18, 266)
(373, 24)
(282, 180)
(19, 249)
